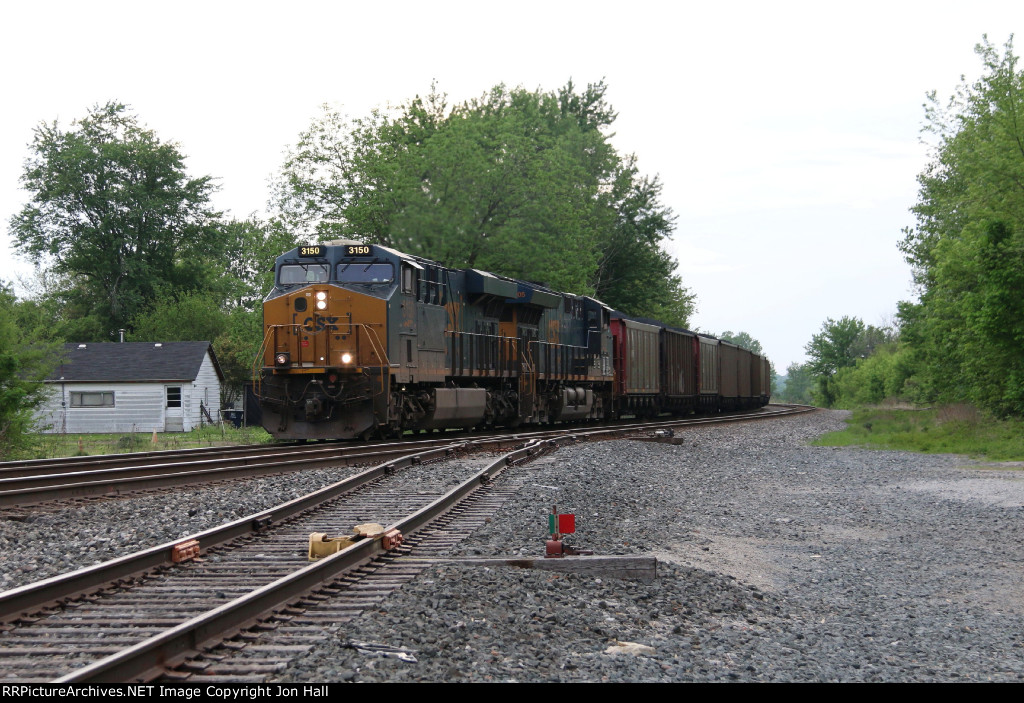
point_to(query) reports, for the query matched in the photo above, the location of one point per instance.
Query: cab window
(358, 272)
(292, 274)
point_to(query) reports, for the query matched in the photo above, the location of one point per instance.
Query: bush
(887, 374)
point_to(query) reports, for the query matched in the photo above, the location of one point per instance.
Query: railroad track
(131, 618)
(139, 617)
(119, 476)
(25, 484)
(268, 649)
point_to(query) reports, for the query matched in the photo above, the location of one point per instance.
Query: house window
(92, 399)
(174, 396)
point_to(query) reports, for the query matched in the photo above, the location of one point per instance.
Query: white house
(133, 387)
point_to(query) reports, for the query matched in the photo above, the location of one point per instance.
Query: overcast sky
(786, 134)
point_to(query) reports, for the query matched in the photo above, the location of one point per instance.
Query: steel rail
(34, 467)
(30, 490)
(25, 600)
(152, 657)
(41, 467)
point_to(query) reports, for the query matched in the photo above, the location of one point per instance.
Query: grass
(50, 446)
(952, 429)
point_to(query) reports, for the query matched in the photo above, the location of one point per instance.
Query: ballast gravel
(57, 540)
(778, 561)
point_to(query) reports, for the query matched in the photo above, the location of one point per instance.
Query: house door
(174, 419)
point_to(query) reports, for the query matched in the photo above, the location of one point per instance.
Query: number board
(314, 250)
(358, 250)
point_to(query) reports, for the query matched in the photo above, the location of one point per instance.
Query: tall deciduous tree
(113, 209)
(244, 273)
(522, 183)
(967, 250)
(837, 345)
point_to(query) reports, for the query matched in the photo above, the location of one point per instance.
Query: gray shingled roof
(133, 362)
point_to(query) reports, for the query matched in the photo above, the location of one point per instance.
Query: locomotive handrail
(371, 336)
(257, 377)
(528, 375)
(375, 342)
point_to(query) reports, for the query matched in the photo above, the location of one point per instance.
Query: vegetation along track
(137, 616)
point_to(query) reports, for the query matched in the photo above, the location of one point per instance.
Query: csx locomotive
(362, 340)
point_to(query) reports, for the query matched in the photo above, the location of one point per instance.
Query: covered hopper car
(362, 340)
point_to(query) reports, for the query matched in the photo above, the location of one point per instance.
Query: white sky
(785, 134)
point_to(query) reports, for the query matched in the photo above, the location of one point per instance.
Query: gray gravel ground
(55, 542)
(777, 562)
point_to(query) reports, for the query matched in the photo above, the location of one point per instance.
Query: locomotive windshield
(292, 274)
(358, 272)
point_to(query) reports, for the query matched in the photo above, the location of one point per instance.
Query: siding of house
(138, 407)
(205, 389)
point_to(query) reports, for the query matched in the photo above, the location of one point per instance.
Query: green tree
(742, 339)
(836, 346)
(236, 350)
(634, 273)
(839, 345)
(967, 250)
(244, 273)
(878, 377)
(180, 317)
(799, 382)
(24, 363)
(113, 210)
(522, 183)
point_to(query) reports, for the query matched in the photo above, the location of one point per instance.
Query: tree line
(963, 339)
(522, 183)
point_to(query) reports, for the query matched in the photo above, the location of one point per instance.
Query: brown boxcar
(710, 369)
(756, 378)
(766, 381)
(637, 376)
(729, 382)
(744, 386)
(679, 381)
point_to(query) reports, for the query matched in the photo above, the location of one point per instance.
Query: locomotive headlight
(321, 295)
(346, 358)
(321, 305)
(281, 358)
(321, 300)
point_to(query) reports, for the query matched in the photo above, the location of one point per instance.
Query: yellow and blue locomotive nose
(321, 327)
(325, 363)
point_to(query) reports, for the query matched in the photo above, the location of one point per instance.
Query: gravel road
(777, 562)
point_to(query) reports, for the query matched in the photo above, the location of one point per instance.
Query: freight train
(362, 340)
